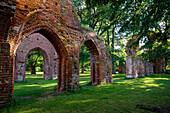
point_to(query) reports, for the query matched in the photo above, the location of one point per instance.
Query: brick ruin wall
(136, 66)
(7, 9)
(35, 42)
(57, 21)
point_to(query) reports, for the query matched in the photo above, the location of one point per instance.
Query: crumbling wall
(136, 66)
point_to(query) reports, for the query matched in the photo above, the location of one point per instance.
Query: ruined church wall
(57, 21)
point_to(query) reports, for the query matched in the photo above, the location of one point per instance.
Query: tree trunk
(113, 66)
(41, 68)
(32, 68)
(82, 68)
(108, 41)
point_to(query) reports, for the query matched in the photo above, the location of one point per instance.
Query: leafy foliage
(111, 19)
(35, 59)
(84, 58)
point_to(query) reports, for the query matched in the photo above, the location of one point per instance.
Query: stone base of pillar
(131, 76)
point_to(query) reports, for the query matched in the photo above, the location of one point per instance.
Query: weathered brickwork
(151, 71)
(39, 43)
(140, 67)
(56, 20)
(136, 66)
(131, 71)
(7, 9)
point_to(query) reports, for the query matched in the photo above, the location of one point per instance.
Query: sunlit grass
(34, 85)
(85, 78)
(121, 96)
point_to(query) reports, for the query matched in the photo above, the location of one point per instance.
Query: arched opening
(62, 55)
(84, 66)
(35, 50)
(93, 63)
(61, 61)
(36, 63)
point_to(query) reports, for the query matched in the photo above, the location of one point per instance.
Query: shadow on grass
(124, 95)
(85, 79)
(34, 85)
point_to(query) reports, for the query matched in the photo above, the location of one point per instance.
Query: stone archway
(35, 42)
(62, 54)
(101, 63)
(94, 61)
(20, 66)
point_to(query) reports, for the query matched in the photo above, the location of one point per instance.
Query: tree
(129, 17)
(97, 20)
(35, 59)
(84, 58)
(138, 17)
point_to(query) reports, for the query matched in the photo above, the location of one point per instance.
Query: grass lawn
(148, 94)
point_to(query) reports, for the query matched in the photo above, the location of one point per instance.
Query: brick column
(131, 71)
(160, 65)
(151, 72)
(140, 67)
(6, 79)
(146, 68)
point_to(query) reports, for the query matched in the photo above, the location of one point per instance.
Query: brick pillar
(140, 67)
(146, 68)
(131, 71)
(73, 73)
(151, 72)
(6, 78)
(120, 68)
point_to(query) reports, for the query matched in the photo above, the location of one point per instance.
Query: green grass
(124, 95)
(34, 85)
(85, 79)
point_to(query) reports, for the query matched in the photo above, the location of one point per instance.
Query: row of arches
(60, 26)
(53, 57)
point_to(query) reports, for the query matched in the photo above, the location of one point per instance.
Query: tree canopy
(35, 59)
(113, 20)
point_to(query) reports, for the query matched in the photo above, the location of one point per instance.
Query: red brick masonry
(39, 43)
(57, 21)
